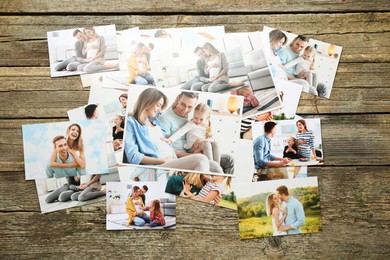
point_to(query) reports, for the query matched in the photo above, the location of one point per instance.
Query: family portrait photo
(278, 208)
(67, 192)
(82, 50)
(277, 144)
(181, 130)
(139, 205)
(301, 60)
(64, 149)
(212, 189)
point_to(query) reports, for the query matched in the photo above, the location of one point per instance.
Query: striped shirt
(208, 187)
(305, 150)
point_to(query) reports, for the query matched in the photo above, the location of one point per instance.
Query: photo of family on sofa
(179, 130)
(301, 60)
(277, 144)
(235, 62)
(278, 208)
(212, 189)
(139, 205)
(86, 50)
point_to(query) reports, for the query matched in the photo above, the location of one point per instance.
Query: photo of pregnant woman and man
(174, 129)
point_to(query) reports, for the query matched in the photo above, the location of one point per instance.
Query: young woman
(144, 137)
(139, 68)
(305, 140)
(278, 216)
(135, 209)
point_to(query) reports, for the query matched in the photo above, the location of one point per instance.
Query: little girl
(211, 190)
(156, 216)
(198, 134)
(304, 63)
(291, 149)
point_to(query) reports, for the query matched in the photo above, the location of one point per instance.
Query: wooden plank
(340, 146)
(28, 47)
(153, 6)
(346, 199)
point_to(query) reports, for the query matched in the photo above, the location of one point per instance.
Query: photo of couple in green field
(279, 207)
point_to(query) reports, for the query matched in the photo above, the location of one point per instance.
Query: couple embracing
(288, 219)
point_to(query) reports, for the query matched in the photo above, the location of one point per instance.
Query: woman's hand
(83, 186)
(197, 144)
(212, 79)
(167, 140)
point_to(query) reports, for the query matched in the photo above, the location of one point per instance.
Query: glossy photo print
(82, 50)
(180, 130)
(278, 208)
(64, 149)
(302, 60)
(139, 205)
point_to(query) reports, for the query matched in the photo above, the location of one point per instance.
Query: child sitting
(291, 149)
(250, 100)
(156, 216)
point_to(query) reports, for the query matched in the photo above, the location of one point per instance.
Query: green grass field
(262, 226)
(228, 204)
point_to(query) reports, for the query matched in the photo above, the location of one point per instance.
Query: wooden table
(354, 183)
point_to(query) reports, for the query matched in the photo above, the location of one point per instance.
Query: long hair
(91, 29)
(210, 47)
(228, 182)
(269, 204)
(193, 179)
(135, 189)
(275, 36)
(149, 97)
(303, 122)
(138, 46)
(78, 144)
(205, 109)
(312, 51)
(157, 207)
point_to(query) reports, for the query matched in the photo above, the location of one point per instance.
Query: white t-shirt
(91, 53)
(138, 207)
(214, 70)
(164, 149)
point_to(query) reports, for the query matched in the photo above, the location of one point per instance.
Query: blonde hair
(312, 51)
(203, 108)
(149, 97)
(269, 204)
(193, 179)
(78, 144)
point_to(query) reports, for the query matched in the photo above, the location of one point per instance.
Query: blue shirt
(64, 172)
(286, 55)
(262, 151)
(137, 141)
(172, 123)
(295, 216)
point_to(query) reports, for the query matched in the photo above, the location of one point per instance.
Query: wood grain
(353, 183)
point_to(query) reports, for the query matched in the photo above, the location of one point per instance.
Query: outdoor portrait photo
(277, 144)
(278, 208)
(299, 59)
(64, 149)
(67, 192)
(212, 189)
(82, 50)
(181, 130)
(234, 63)
(139, 205)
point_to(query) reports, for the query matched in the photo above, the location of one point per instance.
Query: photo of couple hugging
(295, 61)
(89, 53)
(68, 160)
(179, 137)
(299, 149)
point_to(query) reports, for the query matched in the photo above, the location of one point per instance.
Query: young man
(291, 52)
(176, 117)
(143, 190)
(262, 153)
(70, 168)
(295, 213)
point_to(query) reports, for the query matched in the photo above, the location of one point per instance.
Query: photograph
(284, 143)
(68, 192)
(173, 129)
(212, 189)
(139, 205)
(82, 50)
(234, 64)
(278, 208)
(129, 173)
(108, 105)
(299, 59)
(64, 149)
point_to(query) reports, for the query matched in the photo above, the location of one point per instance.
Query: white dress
(92, 52)
(164, 149)
(214, 70)
(276, 232)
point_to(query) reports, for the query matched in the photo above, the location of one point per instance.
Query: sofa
(260, 76)
(168, 206)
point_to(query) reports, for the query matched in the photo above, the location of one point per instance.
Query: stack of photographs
(190, 112)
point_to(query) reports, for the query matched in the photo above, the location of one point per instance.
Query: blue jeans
(141, 220)
(144, 80)
(154, 224)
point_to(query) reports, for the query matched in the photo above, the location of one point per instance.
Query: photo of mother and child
(295, 62)
(89, 51)
(169, 138)
(299, 150)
